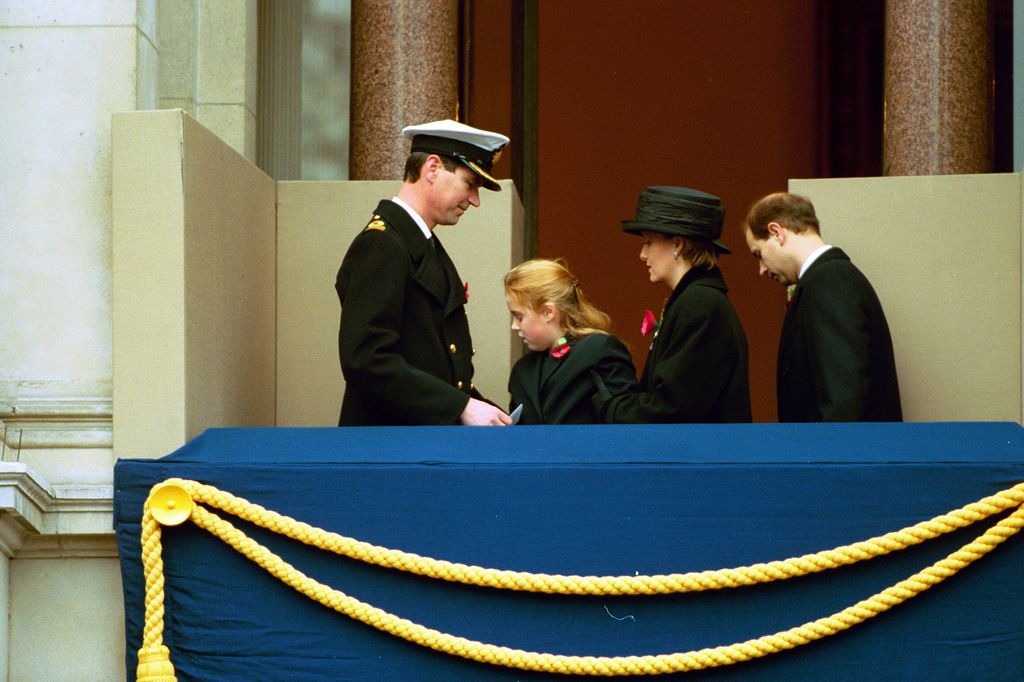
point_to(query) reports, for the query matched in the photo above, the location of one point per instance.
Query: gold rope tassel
(154, 658)
(594, 665)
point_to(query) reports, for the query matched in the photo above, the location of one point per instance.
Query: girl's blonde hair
(541, 281)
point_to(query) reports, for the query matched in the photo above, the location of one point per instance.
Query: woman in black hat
(696, 369)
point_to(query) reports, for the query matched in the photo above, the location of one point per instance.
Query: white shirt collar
(415, 217)
(813, 257)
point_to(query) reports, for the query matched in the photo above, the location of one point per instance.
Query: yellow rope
(154, 658)
(614, 585)
(602, 585)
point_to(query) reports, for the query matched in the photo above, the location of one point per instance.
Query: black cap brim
(485, 178)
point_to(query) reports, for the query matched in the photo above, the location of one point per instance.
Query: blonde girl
(571, 350)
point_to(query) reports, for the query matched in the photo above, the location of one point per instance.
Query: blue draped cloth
(587, 500)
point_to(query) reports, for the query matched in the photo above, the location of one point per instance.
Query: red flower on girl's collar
(560, 349)
(649, 324)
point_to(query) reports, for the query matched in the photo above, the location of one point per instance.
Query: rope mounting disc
(170, 504)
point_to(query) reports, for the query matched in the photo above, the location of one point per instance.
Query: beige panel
(316, 223)
(70, 622)
(194, 285)
(944, 254)
(229, 286)
(148, 284)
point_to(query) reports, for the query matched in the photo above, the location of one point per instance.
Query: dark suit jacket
(696, 370)
(559, 390)
(404, 338)
(835, 357)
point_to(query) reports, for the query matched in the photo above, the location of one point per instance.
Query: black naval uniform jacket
(404, 338)
(559, 390)
(836, 359)
(696, 370)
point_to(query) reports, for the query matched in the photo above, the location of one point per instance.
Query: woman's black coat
(696, 370)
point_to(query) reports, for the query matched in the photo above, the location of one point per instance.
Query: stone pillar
(279, 140)
(176, 36)
(226, 65)
(938, 87)
(208, 63)
(404, 71)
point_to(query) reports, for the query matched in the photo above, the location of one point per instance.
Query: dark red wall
(719, 96)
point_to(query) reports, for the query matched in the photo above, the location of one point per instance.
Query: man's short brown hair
(792, 211)
(414, 164)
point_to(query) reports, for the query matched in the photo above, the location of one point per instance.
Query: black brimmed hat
(679, 211)
(476, 149)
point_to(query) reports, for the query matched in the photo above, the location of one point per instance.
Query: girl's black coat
(559, 390)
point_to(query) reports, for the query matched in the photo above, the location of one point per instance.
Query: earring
(675, 255)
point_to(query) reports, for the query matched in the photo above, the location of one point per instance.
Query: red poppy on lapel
(560, 349)
(649, 324)
(467, 291)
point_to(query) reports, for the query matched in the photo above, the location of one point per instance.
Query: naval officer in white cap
(404, 340)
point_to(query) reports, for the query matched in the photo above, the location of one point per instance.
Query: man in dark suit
(404, 338)
(835, 358)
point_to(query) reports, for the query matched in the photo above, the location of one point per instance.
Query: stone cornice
(56, 423)
(97, 546)
(24, 495)
(41, 521)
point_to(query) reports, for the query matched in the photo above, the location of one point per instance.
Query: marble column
(938, 87)
(404, 71)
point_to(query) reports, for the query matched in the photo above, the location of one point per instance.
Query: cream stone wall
(61, 633)
(5, 606)
(316, 223)
(944, 254)
(65, 67)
